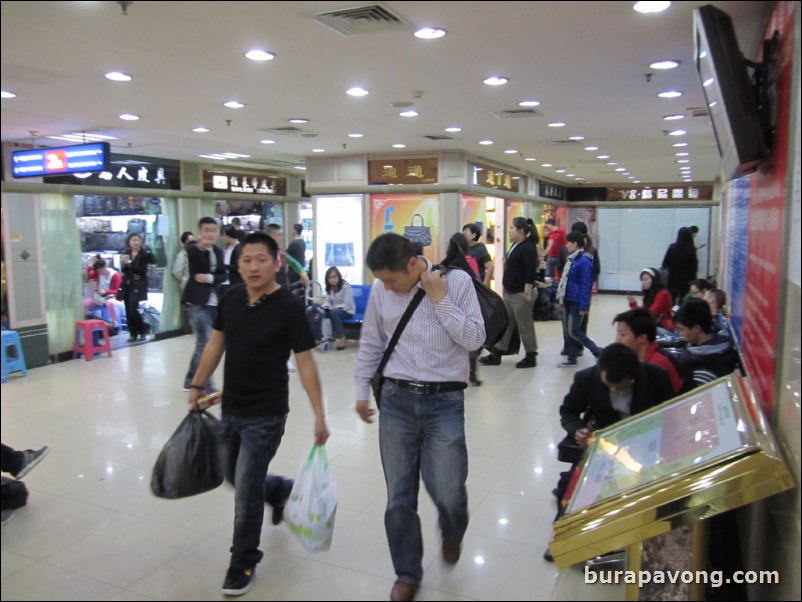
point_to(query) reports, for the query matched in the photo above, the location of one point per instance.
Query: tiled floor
(93, 531)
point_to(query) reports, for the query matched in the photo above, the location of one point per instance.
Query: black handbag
(377, 382)
(568, 450)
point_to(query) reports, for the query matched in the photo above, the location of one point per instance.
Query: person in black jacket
(682, 264)
(520, 268)
(135, 262)
(207, 271)
(619, 386)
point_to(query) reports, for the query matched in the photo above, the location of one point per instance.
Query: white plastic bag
(310, 511)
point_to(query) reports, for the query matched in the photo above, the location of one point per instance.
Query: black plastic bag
(190, 462)
(14, 494)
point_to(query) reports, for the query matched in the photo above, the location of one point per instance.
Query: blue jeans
(574, 338)
(316, 314)
(248, 446)
(422, 436)
(201, 318)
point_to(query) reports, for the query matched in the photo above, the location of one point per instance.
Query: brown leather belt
(422, 388)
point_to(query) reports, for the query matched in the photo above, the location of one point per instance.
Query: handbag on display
(418, 233)
(377, 381)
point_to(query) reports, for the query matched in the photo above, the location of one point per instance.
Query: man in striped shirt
(422, 420)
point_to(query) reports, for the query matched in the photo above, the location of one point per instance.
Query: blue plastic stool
(12, 347)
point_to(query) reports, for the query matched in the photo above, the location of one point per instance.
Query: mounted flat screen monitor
(81, 158)
(728, 92)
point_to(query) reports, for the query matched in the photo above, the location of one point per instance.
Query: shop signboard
(257, 184)
(551, 191)
(127, 171)
(660, 193)
(415, 216)
(79, 158)
(494, 177)
(402, 171)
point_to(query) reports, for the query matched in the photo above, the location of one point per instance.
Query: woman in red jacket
(655, 298)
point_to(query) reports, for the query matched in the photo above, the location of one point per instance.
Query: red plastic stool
(85, 341)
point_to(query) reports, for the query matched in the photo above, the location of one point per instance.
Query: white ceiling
(584, 61)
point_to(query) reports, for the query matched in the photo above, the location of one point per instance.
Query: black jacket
(589, 397)
(196, 293)
(521, 267)
(135, 276)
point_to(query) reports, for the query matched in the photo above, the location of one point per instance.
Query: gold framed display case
(688, 459)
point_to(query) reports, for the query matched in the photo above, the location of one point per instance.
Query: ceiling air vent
(563, 142)
(699, 112)
(290, 129)
(516, 113)
(437, 137)
(369, 18)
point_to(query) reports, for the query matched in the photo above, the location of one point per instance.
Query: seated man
(708, 356)
(619, 386)
(109, 282)
(637, 330)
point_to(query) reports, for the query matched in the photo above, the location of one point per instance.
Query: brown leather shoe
(404, 590)
(451, 552)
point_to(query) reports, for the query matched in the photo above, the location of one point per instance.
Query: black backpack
(491, 304)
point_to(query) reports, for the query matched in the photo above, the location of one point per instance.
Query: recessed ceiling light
(409, 113)
(559, 171)
(356, 135)
(299, 167)
(129, 117)
(612, 163)
(547, 165)
(685, 154)
(357, 91)
(298, 120)
(665, 64)
(576, 138)
(267, 141)
(680, 144)
(496, 80)
(7, 94)
(651, 7)
(260, 55)
(683, 160)
(570, 175)
(218, 157)
(486, 142)
(236, 155)
(511, 151)
(591, 148)
(636, 181)
(530, 159)
(318, 150)
(620, 169)
(673, 117)
(708, 82)
(631, 178)
(670, 94)
(233, 104)
(453, 129)
(556, 124)
(430, 33)
(602, 156)
(399, 145)
(200, 130)
(118, 76)
(677, 133)
(529, 103)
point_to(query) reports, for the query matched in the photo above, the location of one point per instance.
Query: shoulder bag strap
(400, 328)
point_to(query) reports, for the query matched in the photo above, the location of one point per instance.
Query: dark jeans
(422, 436)
(249, 444)
(202, 318)
(573, 336)
(11, 460)
(316, 314)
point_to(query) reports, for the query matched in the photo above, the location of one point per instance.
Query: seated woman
(339, 306)
(717, 299)
(109, 282)
(655, 298)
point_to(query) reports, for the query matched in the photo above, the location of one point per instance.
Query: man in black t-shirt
(296, 250)
(258, 324)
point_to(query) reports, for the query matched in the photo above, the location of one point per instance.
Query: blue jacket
(580, 281)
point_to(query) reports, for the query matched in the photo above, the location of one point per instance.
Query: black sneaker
(30, 459)
(238, 581)
(278, 509)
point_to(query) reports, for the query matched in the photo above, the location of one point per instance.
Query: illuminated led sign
(81, 158)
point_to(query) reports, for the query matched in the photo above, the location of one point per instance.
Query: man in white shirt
(422, 420)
